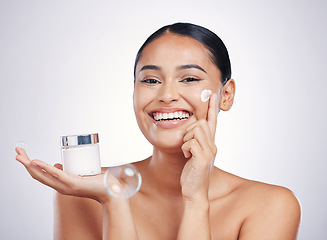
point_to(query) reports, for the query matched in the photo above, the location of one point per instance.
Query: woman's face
(170, 75)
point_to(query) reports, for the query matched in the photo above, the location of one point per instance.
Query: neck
(165, 169)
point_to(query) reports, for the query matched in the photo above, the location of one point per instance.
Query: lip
(169, 123)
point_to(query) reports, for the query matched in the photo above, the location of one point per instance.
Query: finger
(54, 171)
(192, 148)
(185, 150)
(23, 158)
(204, 125)
(48, 175)
(36, 172)
(57, 174)
(41, 175)
(31, 167)
(199, 135)
(59, 166)
(21, 151)
(212, 114)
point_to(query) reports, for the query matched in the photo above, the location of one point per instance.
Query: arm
(71, 219)
(195, 222)
(118, 221)
(76, 217)
(199, 146)
(83, 218)
(276, 217)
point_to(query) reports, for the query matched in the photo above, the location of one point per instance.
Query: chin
(170, 140)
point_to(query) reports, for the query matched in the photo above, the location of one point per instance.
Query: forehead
(172, 50)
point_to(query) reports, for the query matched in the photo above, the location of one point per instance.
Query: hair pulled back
(218, 51)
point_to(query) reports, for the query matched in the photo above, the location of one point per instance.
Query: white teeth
(170, 116)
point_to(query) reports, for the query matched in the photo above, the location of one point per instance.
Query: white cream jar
(80, 154)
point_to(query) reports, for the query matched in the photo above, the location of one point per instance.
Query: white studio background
(66, 67)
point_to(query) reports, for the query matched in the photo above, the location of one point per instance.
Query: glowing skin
(178, 192)
(205, 95)
(169, 78)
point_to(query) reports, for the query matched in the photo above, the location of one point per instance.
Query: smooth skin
(183, 195)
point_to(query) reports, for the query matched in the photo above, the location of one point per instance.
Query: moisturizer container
(80, 154)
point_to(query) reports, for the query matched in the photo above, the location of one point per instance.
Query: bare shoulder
(271, 212)
(77, 218)
(267, 195)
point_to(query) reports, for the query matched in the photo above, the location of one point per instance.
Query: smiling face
(170, 76)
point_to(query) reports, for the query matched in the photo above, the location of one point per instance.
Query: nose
(168, 93)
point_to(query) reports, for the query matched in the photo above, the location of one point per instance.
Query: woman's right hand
(65, 183)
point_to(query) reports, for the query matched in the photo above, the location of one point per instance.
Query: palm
(193, 178)
(86, 186)
(65, 183)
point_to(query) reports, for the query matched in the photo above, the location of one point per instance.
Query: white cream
(82, 160)
(205, 95)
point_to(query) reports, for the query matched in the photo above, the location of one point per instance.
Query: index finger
(212, 113)
(21, 151)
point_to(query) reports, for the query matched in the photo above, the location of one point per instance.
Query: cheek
(141, 98)
(193, 96)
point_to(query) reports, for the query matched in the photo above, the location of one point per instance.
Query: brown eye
(191, 79)
(150, 81)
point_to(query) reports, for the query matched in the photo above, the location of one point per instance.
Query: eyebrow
(150, 67)
(188, 66)
(182, 67)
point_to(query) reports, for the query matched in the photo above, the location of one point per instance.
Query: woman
(183, 195)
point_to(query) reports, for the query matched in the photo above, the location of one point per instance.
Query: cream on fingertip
(205, 95)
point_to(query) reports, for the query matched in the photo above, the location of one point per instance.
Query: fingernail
(34, 163)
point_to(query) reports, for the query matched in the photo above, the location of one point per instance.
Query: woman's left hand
(199, 146)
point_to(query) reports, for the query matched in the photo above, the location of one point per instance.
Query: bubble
(20, 144)
(115, 188)
(129, 172)
(122, 181)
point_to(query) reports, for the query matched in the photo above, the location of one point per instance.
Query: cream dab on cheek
(205, 95)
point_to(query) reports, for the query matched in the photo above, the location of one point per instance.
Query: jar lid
(75, 140)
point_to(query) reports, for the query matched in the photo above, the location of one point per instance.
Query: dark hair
(216, 47)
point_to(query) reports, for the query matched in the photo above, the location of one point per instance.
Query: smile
(168, 116)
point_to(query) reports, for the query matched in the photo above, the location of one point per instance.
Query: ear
(227, 95)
